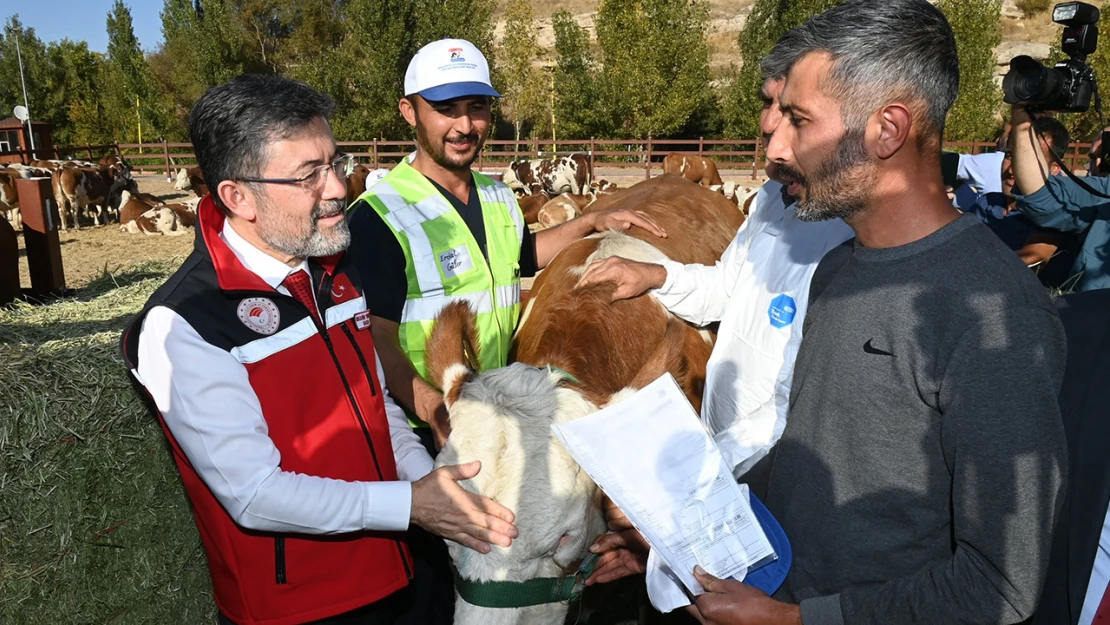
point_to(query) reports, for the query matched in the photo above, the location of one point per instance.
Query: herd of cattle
(550, 191)
(555, 190)
(99, 192)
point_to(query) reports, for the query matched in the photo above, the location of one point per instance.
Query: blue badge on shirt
(782, 311)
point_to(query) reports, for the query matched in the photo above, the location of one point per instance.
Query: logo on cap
(259, 314)
(456, 55)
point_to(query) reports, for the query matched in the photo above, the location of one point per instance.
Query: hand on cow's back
(444, 508)
(631, 278)
(624, 219)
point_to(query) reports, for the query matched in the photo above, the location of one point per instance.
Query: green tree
(130, 97)
(656, 63)
(974, 116)
(523, 85)
(37, 70)
(577, 80)
(769, 20)
(365, 72)
(73, 89)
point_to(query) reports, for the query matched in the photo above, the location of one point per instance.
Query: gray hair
(880, 51)
(232, 124)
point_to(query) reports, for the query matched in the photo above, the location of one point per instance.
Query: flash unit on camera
(1075, 13)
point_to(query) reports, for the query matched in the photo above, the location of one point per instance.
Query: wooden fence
(620, 157)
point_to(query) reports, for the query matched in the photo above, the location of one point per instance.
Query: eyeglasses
(342, 167)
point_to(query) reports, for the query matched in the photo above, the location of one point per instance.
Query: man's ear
(235, 197)
(894, 123)
(408, 110)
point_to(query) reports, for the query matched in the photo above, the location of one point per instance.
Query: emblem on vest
(362, 320)
(259, 314)
(782, 311)
(455, 262)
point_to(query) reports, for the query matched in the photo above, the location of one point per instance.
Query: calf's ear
(451, 351)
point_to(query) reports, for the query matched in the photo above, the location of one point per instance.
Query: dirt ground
(88, 253)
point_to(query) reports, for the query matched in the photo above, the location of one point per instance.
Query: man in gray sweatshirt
(920, 471)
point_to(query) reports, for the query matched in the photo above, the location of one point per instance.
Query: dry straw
(94, 523)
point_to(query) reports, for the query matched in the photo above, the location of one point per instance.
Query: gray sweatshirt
(920, 471)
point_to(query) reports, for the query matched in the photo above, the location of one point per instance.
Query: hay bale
(94, 522)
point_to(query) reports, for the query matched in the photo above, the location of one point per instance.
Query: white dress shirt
(1100, 575)
(759, 291)
(216, 418)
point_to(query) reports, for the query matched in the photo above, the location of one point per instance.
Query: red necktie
(1102, 614)
(300, 287)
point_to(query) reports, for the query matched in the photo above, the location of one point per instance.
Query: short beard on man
(285, 234)
(439, 153)
(839, 187)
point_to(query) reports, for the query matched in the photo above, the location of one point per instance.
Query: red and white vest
(323, 406)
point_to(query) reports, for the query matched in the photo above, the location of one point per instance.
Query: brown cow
(356, 182)
(694, 168)
(574, 350)
(76, 189)
(115, 162)
(191, 179)
(159, 220)
(132, 207)
(9, 197)
(530, 205)
(563, 208)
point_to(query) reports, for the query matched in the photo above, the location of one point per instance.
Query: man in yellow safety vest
(433, 231)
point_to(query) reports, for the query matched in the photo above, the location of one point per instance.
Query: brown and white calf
(694, 168)
(574, 351)
(565, 174)
(191, 179)
(563, 208)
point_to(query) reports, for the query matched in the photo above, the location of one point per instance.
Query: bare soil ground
(94, 250)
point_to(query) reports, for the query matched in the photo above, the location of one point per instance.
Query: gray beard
(316, 244)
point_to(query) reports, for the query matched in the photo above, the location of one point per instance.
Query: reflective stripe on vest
(444, 264)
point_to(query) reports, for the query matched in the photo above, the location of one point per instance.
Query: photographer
(1094, 155)
(1060, 203)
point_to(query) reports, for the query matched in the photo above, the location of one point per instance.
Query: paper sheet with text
(653, 458)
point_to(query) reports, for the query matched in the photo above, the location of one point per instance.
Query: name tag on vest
(362, 320)
(455, 262)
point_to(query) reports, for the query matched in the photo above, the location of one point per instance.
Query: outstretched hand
(446, 509)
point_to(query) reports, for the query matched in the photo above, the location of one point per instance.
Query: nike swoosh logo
(871, 349)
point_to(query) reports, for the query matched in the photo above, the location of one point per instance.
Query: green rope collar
(538, 591)
(564, 374)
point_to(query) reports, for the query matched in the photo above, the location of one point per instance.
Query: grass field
(94, 524)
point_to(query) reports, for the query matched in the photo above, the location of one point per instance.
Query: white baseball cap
(446, 69)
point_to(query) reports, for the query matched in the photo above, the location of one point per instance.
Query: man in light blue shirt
(1059, 203)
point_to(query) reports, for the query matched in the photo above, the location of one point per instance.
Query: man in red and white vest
(258, 358)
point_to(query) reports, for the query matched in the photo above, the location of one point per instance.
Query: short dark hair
(232, 124)
(881, 51)
(1054, 132)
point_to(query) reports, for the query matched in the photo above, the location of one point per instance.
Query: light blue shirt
(982, 173)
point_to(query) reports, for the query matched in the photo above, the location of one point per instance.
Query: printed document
(654, 459)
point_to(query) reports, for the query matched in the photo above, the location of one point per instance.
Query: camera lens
(1029, 81)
